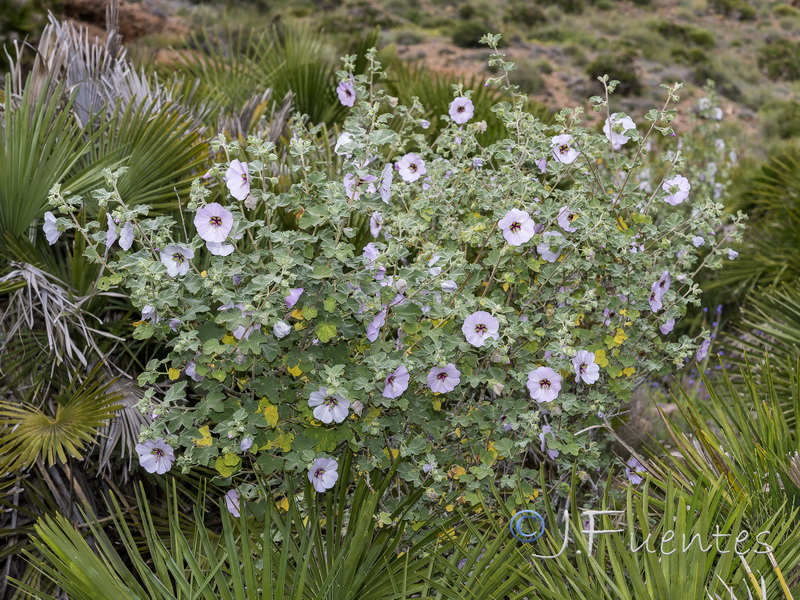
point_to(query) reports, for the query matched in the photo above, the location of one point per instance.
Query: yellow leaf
(621, 224)
(295, 371)
(624, 312)
(437, 404)
(297, 313)
(173, 374)
(283, 504)
(229, 339)
(271, 415)
(629, 371)
(205, 440)
(203, 273)
(620, 337)
(600, 358)
(579, 319)
(456, 472)
(395, 452)
(505, 287)
(137, 323)
(449, 508)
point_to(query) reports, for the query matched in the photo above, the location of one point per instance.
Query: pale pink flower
(374, 327)
(396, 383)
(563, 149)
(346, 91)
(411, 167)
(323, 474)
(237, 178)
(213, 222)
(546, 429)
(293, 297)
(385, 186)
(565, 219)
(544, 248)
(480, 326)
(667, 327)
(232, 502)
(461, 110)
(517, 227)
(126, 236)
(218, 249)
(634, 470)
(656, 299)
(616, 127)
(327, 407)
(375, 223)
(155, 456)
(585, 367)
(677, 189)
(544, 384)
(343, 140)
(50, 228)
(176, 259)
(111, 234)
(444, 379)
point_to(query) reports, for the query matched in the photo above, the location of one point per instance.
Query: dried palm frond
(46, 302)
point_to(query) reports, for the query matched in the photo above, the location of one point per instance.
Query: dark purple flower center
(390, 380)
(564, 148)
(319, 473)
(442, 376)
(215, 221)
(481, 328)
(571, 217)
(582, 368)
(412, 167)
(244, 177)
(515, 226)
(331, 401)
(157, 452)
(460, 109)
(544, 384)
(178, 258)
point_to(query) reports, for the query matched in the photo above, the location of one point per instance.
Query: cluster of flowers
(339, 301)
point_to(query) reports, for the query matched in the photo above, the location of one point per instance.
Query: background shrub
(780, 59)
(620, 66)
(781, 119)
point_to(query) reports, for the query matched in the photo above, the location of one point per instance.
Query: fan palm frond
(56, 430)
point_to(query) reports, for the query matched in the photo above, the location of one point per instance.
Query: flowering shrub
(468, 308)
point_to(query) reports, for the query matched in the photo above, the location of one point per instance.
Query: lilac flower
(371, 253)
(246, 444)
(664, 282)
(634, 470)
(444, 379)
(656, 300)
(677, 189)
(126, 236)
(424, 123)
(667, 327)
(191, 371)
(565, 219)
(213, 222)
(346, 91)
(698, 241)
(343, 139)
(732, 254)
(411, 167)
(563, 150)
(702, 351)
(543, 248)
(50, 228)
(293, 297)
(149, 313)
(396, 383)
(111, 234)
(385, 185)
(174, 323)
(232, 502)
(449, 285)
(618, 122)
(480, 326)
(237, 178)
(541, 164)
(477, 163)
(375, 223)
(176, 259)
(218, 249)
(544, 384)
(155, 456)
(461, 110)
(281, 329)
(328, 408)
(374, 327)
(517, 227)
(323, 474)
(585, 367)
(546, 429)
